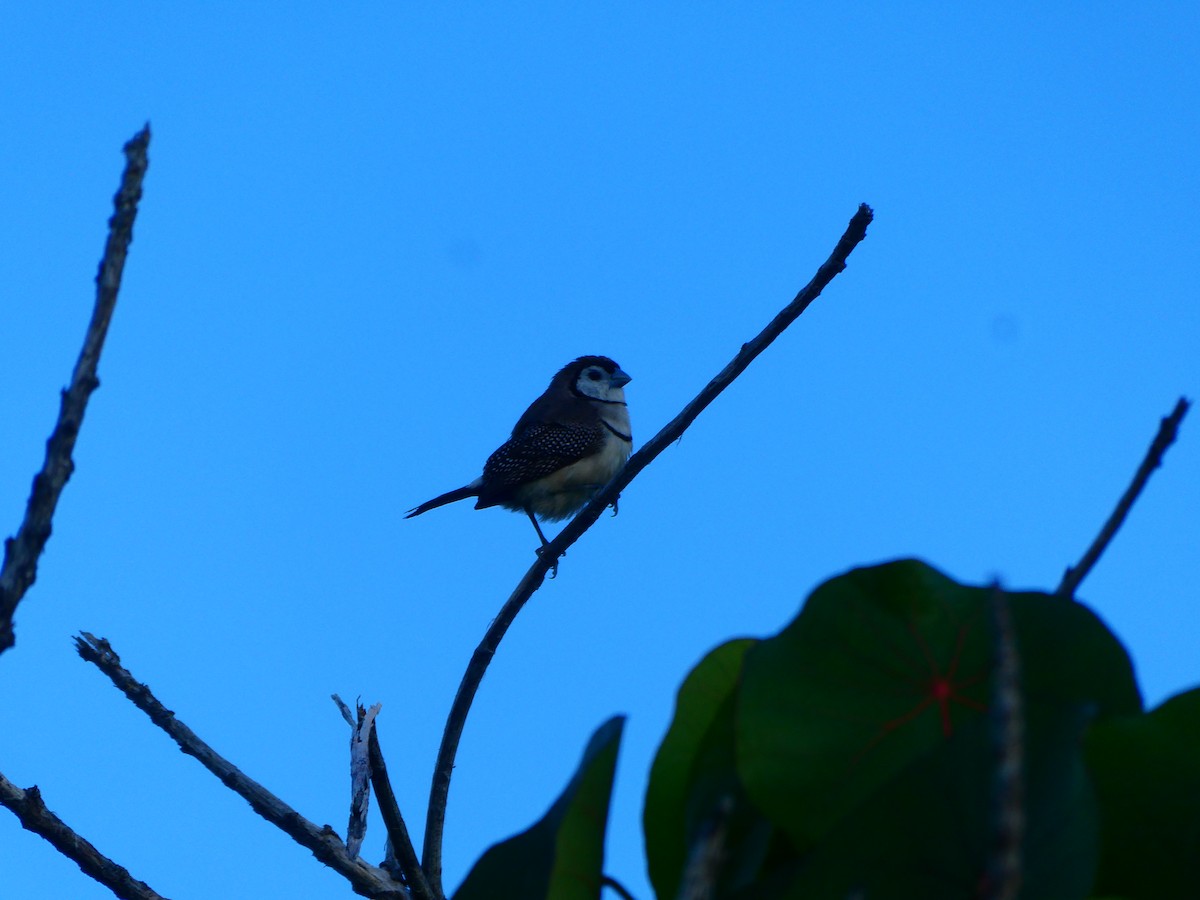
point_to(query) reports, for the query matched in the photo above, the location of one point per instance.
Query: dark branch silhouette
(29, 808)
(401, 843)
(21, 552)
(1167, 430)
(609, 882)
(440, 788)
(324, 842)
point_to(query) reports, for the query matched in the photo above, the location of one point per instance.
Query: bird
(567, 445)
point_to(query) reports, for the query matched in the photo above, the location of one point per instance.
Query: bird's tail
(461, 493)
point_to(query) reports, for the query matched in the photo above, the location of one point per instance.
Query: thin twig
(609, 882)
(549, 556)
(28, 806)
(402, 847)
(324, 842)
(344, 710)
(1005, 869)
(21, 552)
(1167, 431)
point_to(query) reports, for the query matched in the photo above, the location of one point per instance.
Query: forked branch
(440, 788)
(402, 855)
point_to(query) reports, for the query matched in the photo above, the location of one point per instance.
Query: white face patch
(594, 382)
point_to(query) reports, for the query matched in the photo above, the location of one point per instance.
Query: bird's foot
(541, 552)
(616, 500)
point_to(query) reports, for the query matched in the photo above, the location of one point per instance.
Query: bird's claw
(541, 552)
(616, 500)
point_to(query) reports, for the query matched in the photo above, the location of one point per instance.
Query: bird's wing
(540, 450)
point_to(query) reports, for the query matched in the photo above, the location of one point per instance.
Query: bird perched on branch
(569, 443)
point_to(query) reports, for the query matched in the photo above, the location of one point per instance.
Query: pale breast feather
(564, 491)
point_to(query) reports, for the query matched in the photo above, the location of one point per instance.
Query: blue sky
(372, 232)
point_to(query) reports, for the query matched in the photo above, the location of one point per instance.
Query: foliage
(853, 754)
(562, 856)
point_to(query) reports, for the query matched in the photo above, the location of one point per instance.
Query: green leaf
(882, 666)
(1147, 774)
(931, 831)
(693, 764)
(562, 856)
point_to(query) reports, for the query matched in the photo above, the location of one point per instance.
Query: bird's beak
(620, 379)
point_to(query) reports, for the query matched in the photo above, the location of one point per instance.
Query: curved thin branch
(22, 551)
(324, 843)
(28, 806)
(1167, 430)
(440, 788)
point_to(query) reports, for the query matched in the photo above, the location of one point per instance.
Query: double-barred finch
(569, 443)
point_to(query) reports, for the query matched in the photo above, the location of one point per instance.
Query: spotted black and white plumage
(569, 443)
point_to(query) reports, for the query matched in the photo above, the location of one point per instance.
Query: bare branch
(344, 710)
(401, 854)
(22, 551)
(609, 882)
(1167, 430)
(401, 843)
(366, 880)
(29, 808)
(444, 767)
(360, 776)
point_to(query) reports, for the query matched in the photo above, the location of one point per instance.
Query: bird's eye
(593, 374)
